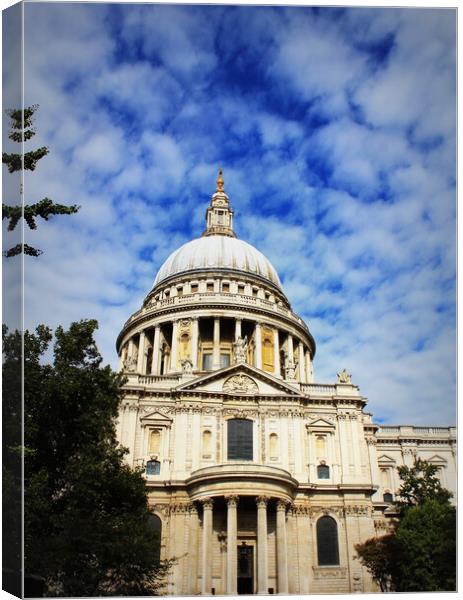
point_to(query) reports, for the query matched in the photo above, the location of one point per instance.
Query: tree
(426, 536)
(420, 554)
(381, 557)
(86, 521)
(22, 131)
(419, 484)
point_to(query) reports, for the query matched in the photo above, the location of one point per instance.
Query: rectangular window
(239, 433)
(224, 361)
(180, 291)
(153, 467)
(207, 362)
(210, 287)
(241, 289)
(194, 288)
(225, 287)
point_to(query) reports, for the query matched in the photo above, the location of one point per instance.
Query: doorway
(245, 569)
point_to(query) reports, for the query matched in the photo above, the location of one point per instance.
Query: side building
(261, 480)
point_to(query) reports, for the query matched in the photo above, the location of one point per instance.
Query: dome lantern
(219, 215)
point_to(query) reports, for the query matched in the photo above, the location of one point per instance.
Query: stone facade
(263, 480)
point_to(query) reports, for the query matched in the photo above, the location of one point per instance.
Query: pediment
(385, 459)
(242, 380)
(436, 460)
(155, 418)
(320, 425)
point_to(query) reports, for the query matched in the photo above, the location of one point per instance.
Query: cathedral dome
(218, 252)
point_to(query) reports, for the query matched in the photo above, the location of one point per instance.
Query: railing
(149, 379)
(225, 298)
(316, 388)
(410, 430)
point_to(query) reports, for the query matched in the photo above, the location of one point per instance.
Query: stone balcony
(222, 300)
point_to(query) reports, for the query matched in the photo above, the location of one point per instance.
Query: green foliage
(381, 557)
(86, 528)
(44, 209)
(21, 120)
(419, 484)
(426, 536)
(19, 248)
(15, 161)
(420, 555)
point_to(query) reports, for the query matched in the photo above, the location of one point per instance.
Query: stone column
(232, 541)
(258, 340)
(237, 328)
(141, 353)
(193, 553)
(130, 350)
(290, 347)
(282, 550)
(206, 582)
(173, 347)
(308, 367)
(276, 352)
(155, 357)
(216, 346)
(262, 582)
(194, 343)
(302, 378)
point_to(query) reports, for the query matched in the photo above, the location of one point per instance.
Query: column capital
(262, 501)
(283, 504)
(207, 503)
(232, 500)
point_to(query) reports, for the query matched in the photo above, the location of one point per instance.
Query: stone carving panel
(241, 384)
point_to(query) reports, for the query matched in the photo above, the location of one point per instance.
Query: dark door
(245, 570)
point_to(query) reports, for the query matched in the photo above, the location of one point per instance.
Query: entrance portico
(249, 493)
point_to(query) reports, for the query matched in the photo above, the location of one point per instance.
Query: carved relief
(241, 384)
(329, 572)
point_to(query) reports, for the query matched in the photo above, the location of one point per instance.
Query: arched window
(323, 472)
(239, 439)
(273, 445)
(155, 441)
(155, 524)
(207, 444)
(327, 541)
(153, 467)
(388, 497)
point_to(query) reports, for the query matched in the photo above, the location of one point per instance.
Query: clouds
(336, 132)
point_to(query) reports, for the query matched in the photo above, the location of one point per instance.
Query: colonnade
(232, 545)
(297, 365)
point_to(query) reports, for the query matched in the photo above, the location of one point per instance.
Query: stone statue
(187, 366)
(130, 364)
(290, 367)
(240, 347)
(344, 377)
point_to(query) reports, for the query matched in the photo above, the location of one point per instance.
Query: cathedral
(261, 480)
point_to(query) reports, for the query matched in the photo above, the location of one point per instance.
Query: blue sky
(336, 132)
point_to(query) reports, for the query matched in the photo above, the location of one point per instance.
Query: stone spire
(219, 215)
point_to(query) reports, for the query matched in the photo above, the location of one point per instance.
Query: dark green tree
(420, 484)
(381, 556)
(86, 522)
(426, 536)
(420, 554)
(21, 132)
